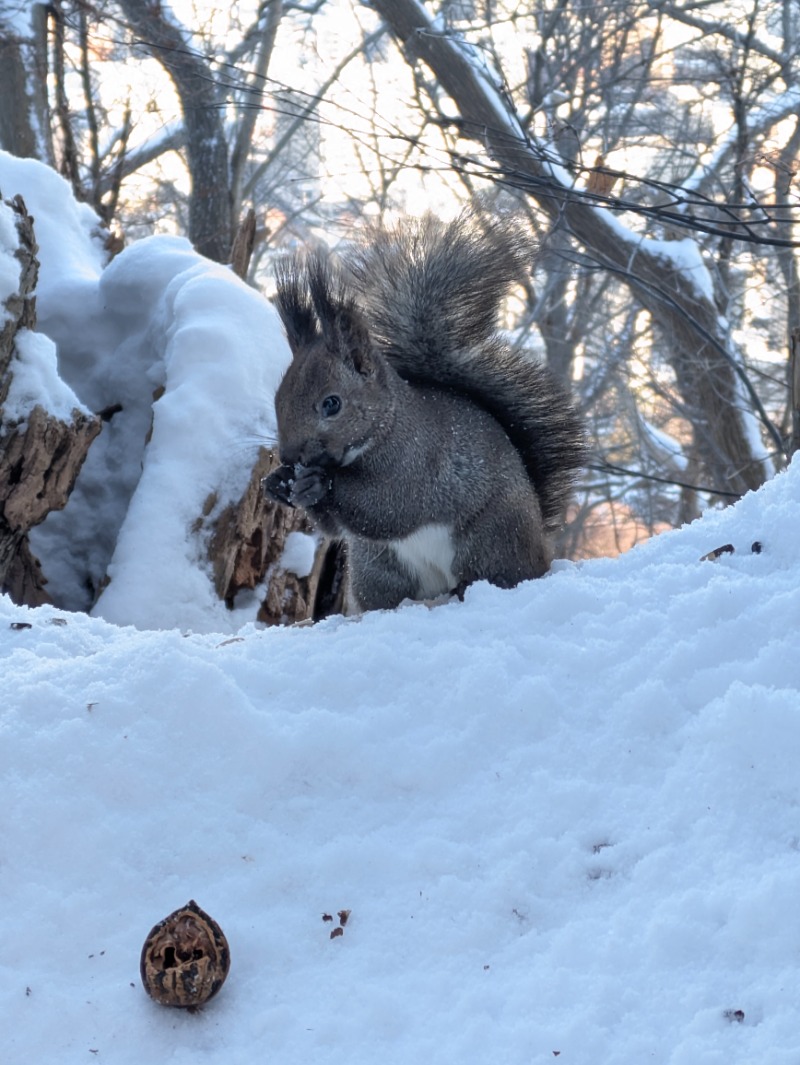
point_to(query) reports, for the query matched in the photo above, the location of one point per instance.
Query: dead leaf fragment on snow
(718, 552)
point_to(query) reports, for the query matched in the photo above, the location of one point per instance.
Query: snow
(35, 380)
(564, 817)
(664, 447)
(71, 251)
(685, 258)
(9, 266)
(298, 553)
(34, 370)
(682, 257)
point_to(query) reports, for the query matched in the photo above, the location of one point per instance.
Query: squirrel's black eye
(330, 406)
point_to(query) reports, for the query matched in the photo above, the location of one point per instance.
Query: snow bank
(35, 381)
(564, 817)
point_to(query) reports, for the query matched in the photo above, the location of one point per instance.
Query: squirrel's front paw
(279, 485)
(311, 483)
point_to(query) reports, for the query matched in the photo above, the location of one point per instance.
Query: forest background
(651, 148)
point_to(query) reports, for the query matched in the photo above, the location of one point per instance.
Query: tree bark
(41, 456)
(246, 551)
(20, 307)
(210, 203)
(704, 365)
(794, 446)
(243, 244)
(24, 113)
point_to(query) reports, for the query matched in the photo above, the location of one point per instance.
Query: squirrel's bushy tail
(431, 292)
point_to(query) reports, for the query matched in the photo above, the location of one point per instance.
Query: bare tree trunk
(211, 203)
(69, 161)
(794, 363)
(24, 113)
(707, 370)
(787, 261)
(553, 317)
(39, 457)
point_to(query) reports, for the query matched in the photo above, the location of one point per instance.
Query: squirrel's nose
(304, 455)
(292, 453)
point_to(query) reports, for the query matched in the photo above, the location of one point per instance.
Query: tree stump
(249, 537)
(40, 456)
(246, 551)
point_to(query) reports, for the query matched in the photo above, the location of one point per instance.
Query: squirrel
(408, 427)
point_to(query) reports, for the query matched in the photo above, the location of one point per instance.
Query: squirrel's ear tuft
(294, 305)
(342, 323)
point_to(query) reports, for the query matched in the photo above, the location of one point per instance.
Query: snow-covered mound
(566, 819)
(183, 358)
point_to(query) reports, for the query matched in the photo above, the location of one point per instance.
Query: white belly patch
(428, 555)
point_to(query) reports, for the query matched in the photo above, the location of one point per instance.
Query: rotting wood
(243, 244)
(246, 550)
(41, 455)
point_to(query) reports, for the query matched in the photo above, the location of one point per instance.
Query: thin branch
(271, 12)
(610, 467)
(69, 166)
(720, 29)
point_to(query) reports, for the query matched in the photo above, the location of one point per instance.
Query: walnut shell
(185, 958)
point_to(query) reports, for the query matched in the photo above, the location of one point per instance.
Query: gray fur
(452, 457)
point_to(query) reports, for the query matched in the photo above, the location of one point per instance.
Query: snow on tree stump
(40, 457)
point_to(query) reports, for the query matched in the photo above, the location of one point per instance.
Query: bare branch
(210, 207)
(718, 29)
(654, 270)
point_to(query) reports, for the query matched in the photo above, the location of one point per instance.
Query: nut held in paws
(185, 959)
